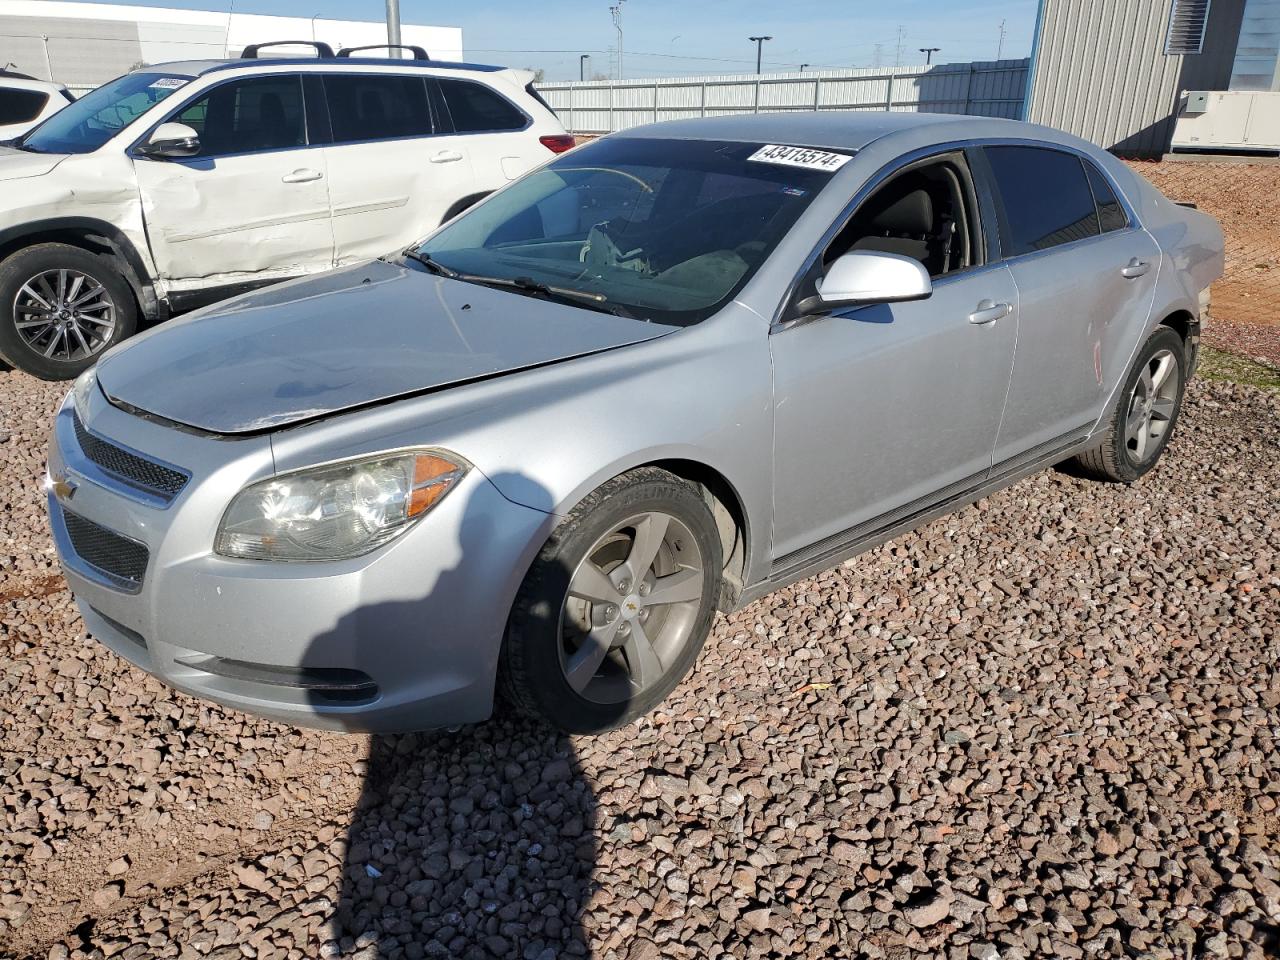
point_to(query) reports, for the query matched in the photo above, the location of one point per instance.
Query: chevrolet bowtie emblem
(63, 487)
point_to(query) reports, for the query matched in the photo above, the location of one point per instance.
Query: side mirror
(172, 140)
(866, 277)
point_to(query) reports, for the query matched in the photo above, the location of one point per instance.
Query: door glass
(248, 116)
(1110, 213)
(19, 106)
(1045, 196)
(477, 108)
(371, 107)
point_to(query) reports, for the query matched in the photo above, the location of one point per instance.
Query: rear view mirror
(866, 277)
(172, 140)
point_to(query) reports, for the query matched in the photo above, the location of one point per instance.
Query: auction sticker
(805, 157)
(169, 83)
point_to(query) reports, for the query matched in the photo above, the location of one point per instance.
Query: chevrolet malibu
(669, 372)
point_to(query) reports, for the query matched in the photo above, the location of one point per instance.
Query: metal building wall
(1100, 70)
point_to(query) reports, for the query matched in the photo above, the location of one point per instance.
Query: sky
(680, 37)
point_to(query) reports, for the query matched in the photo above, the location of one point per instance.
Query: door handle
(989, 312)
(446, 156)
(302, 176)
(1136, 268)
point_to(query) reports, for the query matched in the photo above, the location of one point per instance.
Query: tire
(1123, 454)
(50, 281)
(553, 636)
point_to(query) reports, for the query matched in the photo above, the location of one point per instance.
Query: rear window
(377, 107)
(475, 108)
(1045, 197)
(19, 106)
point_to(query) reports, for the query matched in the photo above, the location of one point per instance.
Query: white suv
(26, 102)
(184, 183)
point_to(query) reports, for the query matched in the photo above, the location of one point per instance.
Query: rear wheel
(1145, 413)
(614, 610)
(60, 308)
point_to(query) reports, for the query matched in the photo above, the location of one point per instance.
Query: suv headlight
(336, 511)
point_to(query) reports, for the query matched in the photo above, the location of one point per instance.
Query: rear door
(1086, 277)
(502, 147)
(254, 203)
(395, 171)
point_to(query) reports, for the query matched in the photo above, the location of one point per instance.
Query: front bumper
(404, 638)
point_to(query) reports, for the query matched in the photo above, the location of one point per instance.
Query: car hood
(361, 335)
(19, 164)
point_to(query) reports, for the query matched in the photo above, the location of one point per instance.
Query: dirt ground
(1043, 727)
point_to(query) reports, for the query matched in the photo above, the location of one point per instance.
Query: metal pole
(759, 42)
(393, 26)
(48, 63)
(1000, 46)
(582, 65)
(928, 54)
(616, 11)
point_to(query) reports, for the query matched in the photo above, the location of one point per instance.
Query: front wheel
(1145, 413)
(615, 608)
(60, 308)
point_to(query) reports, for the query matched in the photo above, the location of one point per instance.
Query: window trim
(1084, 158)
(134, 151)
(332, 141)
(444, 100)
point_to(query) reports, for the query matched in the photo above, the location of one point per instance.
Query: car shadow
(472, 842)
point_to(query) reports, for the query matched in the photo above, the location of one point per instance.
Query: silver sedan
(663, 375)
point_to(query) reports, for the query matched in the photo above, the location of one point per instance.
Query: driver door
(882, 410)
(254, 204)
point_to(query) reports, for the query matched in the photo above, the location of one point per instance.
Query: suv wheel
(60, 308)
(615, 608)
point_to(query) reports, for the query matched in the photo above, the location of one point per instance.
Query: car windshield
(86, 124)
(662, 230)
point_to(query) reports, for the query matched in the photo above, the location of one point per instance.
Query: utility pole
(393, 26)
(759, 42)
(583, 60)
(897, 57)
(928, 54)
(877, 60)
(616, 12)
(1000, 46)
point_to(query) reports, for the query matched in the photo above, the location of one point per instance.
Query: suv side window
(1110, 213)
(475, 108)
(19, 106)
(248, 116)
(370, 106)
(1044, 196)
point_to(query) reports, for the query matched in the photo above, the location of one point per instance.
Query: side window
(366, 107)
(1110, 214)
(925, 212)
(19, 106)
(474, 107)
(1045, 197)
(248, 116)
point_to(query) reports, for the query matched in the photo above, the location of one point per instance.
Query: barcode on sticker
(805, 157)
(169, 83)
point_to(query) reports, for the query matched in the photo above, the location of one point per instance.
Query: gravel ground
(1045, 726)
(1258, 342)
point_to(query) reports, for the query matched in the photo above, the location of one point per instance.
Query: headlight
(83, 389)
(336, 511)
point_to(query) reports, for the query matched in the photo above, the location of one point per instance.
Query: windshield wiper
(528, 285)
(434, 266)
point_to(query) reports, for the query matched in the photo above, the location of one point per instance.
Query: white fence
(990, 89)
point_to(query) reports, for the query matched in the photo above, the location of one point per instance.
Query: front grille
(119, 559)
(128, 467)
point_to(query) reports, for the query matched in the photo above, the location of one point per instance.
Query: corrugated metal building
(1116, 71)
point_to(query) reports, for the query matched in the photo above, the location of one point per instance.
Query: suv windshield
(86, 124)
(663, 230)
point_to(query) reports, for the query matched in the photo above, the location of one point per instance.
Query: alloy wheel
(64, 314)
(631, 608)
(1152, 406)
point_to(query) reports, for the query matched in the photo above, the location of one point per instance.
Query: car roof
(197, 68)
(14, 79)
(834, 130)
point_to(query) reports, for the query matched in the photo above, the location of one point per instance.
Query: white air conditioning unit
(1231, 121)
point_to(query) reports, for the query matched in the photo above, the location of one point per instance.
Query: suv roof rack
(419, 53)
(323, 50)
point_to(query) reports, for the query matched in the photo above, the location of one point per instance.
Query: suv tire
(60, 308)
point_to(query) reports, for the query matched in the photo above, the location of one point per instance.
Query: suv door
(495, 127)
(253, 204)
(1086, 275)
(882, 410)
(394, 175)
